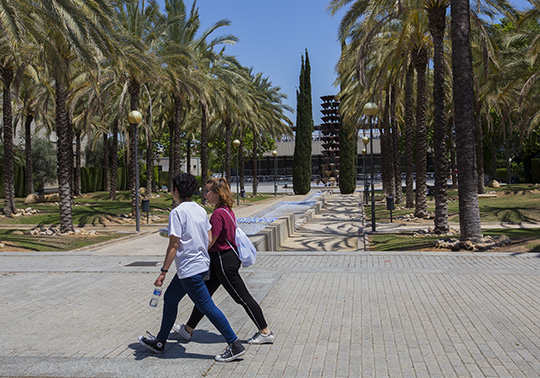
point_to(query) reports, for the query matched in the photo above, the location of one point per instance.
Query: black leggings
(224, 271)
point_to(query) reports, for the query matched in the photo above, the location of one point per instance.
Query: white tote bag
(246, 250)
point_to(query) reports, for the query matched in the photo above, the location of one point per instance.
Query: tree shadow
(506, 215)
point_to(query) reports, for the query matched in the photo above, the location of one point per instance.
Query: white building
(195, 165)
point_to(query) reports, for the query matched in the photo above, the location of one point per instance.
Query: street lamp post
(236, 143)
(371, 109)
(365, 140)
(134, 118)
(275, 172)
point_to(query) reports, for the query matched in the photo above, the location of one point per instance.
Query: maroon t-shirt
(223, 228)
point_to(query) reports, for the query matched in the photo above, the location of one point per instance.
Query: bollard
(390, 205)
(146, 207)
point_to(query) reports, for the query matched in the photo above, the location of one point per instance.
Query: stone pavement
(336, 228)
(335, 314)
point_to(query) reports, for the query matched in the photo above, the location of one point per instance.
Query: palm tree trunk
(188, 153)
(437, 18)
(114, 161)
(228, 153)
(172, 157)
(69, 152)
(176, 138)
(479, 137)
(469, 212)
(254, 164)
(9, 163)
(133, 88)
(64, 157)
(452, 148)
(507, 154)
(204, 146)
(106, 169)
(395, 148)
(77, 171)
(409, 137)
(149, 158)
(241, 160)
(29, 173)
(420, 64)
(388, 164)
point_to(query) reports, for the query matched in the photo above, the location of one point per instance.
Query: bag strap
(229, 214)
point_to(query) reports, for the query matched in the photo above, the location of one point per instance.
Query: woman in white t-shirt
(189, 236)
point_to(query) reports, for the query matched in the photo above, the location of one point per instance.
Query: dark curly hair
(186, 184)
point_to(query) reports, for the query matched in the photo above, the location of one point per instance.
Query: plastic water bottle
(155, 296)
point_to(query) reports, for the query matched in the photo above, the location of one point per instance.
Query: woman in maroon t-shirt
(224, 264)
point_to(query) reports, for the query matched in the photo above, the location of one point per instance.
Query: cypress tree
(304, 131)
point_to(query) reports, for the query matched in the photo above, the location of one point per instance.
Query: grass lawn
(514, 204)
(92, 209)
(15, 241)
(523, 240)
(95, 209)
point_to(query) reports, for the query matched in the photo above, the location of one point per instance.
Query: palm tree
(409, 136)
(192, 72)
(395, 146)
(66, 31)
(420, 49)
(268, 117)
(33, 105)
(12, 18)
(138, 28)
(437, 24)
(462, 72)
(7, 71)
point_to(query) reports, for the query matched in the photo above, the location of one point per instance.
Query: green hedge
(20, 184)
(163, 180)
(93, 179)
(535, 170)
(500, 175)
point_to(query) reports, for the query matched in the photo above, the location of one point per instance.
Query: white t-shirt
(189, 222)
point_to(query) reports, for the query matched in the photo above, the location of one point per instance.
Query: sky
(274, 34)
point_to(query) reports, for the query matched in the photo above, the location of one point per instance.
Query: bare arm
(211, 239)
(174, 242)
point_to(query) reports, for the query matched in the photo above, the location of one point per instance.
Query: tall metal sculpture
(330, 137)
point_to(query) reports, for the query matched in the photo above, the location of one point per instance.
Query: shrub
(535, 170)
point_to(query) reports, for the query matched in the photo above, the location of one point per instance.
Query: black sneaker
(152, 343)
(232, 352)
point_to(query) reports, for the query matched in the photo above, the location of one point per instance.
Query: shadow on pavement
(173, 350)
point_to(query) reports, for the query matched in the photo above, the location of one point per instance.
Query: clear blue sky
(274, 34)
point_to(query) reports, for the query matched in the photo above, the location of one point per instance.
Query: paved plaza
(335, 313)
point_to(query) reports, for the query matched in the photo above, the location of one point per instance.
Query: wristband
(164, 270)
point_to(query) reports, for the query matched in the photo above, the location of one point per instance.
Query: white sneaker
(261, 338)
(182, 332)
